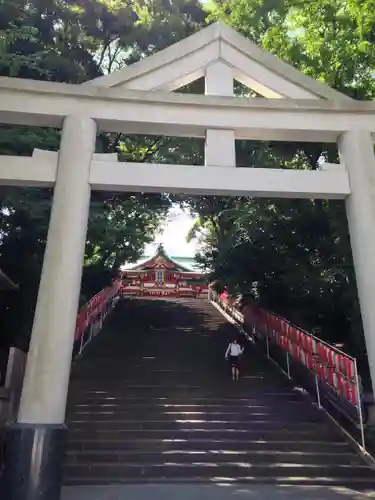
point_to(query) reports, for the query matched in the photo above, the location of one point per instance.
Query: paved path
(202, 492)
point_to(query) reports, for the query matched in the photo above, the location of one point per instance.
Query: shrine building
(164, 276)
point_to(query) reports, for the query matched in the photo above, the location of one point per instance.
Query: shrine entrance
(137, 100)
(162, 276)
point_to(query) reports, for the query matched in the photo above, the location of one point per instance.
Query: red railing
(334, 366)
(335, 372)
(91, 316)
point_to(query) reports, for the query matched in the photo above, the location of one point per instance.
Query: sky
(174, 235)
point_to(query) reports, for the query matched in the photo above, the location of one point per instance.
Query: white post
(288, 365)
(45, 388)
(317, 392)
(360, 402)
(81, 345)
(357, 154)
(220, 144)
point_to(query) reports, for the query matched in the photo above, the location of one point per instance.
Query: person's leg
(237, 373)
(233, 372)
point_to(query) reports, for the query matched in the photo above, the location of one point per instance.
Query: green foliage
(120, 227)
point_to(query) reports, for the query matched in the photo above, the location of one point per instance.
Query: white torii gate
(137, 100)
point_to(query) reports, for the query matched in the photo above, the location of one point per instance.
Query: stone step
(183, 424)
(174, 393)
(90, 414)
(108, 389)
(342, 484)
(237, 388)
(145, 405)
(203, 444)
(240, 470)
(119, 383)
(196, 433)
(218, 456)
(106, 397)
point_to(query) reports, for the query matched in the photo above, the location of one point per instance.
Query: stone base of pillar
(33, 464)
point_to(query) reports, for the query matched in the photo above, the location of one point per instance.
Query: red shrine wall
(164, 283)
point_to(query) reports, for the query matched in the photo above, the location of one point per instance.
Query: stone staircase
(152, 401)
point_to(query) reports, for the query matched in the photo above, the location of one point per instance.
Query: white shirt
(234, 350)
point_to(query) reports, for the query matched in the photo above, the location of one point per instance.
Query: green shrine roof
(189, 263)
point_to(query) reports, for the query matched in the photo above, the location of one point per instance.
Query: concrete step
(204, 470)
(217, 456)
(96, 414)
(183, 424)
(344, 484)
(197, 404)
(204, 444)
(196, 433)
(196, 397)
(91, 383)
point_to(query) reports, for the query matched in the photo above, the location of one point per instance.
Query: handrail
(333, 374)
(91, 316)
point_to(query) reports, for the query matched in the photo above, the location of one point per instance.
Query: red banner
(95, 306)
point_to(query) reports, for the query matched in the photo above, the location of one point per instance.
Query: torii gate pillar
(357, 154)
(36, 443)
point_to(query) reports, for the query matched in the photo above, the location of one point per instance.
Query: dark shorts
(234, 361)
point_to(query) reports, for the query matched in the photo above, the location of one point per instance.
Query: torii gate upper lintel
(186, 61)
(297, 109)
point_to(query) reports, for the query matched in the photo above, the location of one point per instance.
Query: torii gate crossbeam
(107, 174)
(29, 102)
